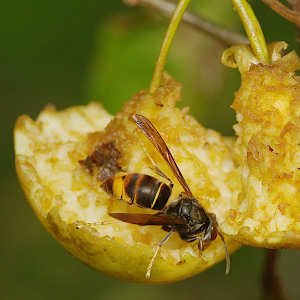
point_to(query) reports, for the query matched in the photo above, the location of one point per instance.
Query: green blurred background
(72, 52)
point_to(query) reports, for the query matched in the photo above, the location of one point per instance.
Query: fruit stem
(164, 50)
(253, 30)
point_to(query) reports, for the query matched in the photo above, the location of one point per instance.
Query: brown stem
(289, 14)
(271, 285)
(224, 36)
(296, 7)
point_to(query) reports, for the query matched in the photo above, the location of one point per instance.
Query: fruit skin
(267, 148)
(69, 202)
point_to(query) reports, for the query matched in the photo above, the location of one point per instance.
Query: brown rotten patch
(105, 160)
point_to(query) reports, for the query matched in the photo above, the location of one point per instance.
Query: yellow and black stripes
(140, 189)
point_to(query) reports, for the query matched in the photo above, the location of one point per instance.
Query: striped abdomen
(140, 189)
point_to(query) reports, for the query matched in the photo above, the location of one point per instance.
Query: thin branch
(271, 285)
(219, 33)
(296, 7)
(295, 4)
(287, 13)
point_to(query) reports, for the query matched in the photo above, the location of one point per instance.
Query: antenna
(226, 252)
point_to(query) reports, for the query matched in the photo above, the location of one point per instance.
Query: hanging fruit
(267, 148)
(110, 188)
(63, 158)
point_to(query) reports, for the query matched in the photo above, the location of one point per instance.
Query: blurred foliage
(69, 53)
(123, 56)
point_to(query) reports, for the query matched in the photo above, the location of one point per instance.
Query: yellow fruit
(71, 205)
(267, 149)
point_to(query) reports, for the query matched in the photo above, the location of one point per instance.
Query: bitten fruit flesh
(267, 149)
(73, 207)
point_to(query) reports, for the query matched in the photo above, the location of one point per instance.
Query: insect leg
(79, 225)
(154, 167)
(163, 241)
(159, 172)
(200, 244)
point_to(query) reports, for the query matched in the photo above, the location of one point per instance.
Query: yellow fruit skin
(267, 150)
(69, 202)
(104, 254)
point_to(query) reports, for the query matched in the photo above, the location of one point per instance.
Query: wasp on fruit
(140, 189)
(185, 215)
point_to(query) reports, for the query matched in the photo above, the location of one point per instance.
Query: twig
(271, 285)
(296, 7)
(289, 14)
(224, 36)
